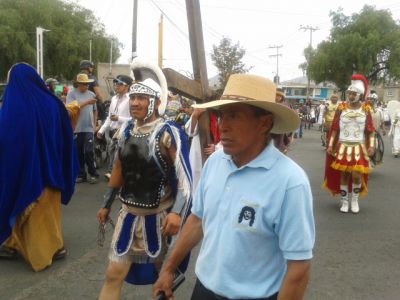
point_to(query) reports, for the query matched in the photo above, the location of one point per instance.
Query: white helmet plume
(143, 70)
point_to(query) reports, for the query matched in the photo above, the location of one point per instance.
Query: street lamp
(39, 49)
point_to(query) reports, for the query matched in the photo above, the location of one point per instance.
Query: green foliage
(227, 58)
(367, 43)
(65, 45)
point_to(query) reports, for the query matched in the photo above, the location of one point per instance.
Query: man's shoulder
(215, 159)
(91, 94)
(289, 169)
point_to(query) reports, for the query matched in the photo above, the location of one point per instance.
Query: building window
(390, 93)
(317, 92)
(299, 92)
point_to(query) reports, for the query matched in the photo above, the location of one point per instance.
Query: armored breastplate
(143, 179)
(352, 125)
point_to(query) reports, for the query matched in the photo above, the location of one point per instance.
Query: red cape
(332, 176)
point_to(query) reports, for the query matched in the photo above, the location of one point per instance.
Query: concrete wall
(103, 72)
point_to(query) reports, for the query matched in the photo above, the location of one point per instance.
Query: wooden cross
(197, 88)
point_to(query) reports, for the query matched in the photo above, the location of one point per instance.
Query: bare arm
(97, 91)
(195, 117)
(116, 179)
(330, 149)
(87, 102)
(295, 281)
(371, 148)
(191, 235)
(95, 119)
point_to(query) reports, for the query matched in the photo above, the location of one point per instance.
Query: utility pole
(134, 29)
(276, 77)
(111, 55)
(39, 50)
(160, 42)
(311, 29)
(90, 49)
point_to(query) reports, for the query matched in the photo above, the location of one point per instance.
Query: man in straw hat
(351, 143)
(84, 130)
(253, 205)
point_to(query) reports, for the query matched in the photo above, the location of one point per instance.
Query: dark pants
(84, 146)
(200, 292)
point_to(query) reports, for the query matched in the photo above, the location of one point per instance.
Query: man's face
(138, 105)
(278, 98)
(82, 87)
(242, 132)
(352, 96)
(120, 88)
(334, 100)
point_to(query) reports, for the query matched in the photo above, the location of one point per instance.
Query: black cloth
(200, 292)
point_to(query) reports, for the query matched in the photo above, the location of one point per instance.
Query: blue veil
(36, 146)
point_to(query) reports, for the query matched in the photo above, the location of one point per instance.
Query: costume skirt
(138, 239)
(351, 157)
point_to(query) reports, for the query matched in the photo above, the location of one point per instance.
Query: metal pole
(312, 29)
(134, 29)
(277, 61)
(160, 42)
(39, 33)
(111, 50)
(39, 50)
(90, 50)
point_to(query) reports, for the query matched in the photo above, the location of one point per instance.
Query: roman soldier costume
(350, 136)
(154, 184)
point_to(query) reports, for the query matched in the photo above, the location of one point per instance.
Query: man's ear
(267, 121)
(157, 103)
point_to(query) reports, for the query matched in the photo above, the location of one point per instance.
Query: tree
(227, 58)
(71, 28)
(367, 43)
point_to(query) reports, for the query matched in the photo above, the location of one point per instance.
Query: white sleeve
(107, 122)
(188, 128)
(122, 120)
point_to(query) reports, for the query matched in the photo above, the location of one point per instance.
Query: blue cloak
(36, 146)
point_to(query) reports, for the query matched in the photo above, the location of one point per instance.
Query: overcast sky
(255, 24)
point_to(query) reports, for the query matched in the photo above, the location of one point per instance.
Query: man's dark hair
(258, 111)
(85, 64)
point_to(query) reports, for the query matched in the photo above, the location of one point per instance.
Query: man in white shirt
(117, 115)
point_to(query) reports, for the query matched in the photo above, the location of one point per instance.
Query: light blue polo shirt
(254, 219)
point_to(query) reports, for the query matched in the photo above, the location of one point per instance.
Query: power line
(170, 20)
(182, 42)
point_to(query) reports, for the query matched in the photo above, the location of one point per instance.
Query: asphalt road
(355, 257)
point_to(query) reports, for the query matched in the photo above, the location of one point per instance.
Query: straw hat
(257, 91)
(280, 92)
(83, 78)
